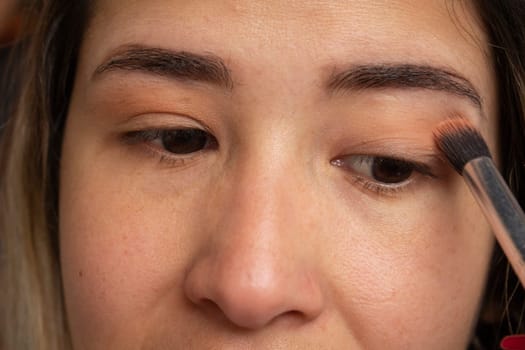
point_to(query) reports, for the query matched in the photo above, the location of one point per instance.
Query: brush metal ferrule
(501, 209)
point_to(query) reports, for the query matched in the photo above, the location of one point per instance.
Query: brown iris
(184, 141)
(389, 170)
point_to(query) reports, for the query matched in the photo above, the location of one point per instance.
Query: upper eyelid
(163, 121)
(420, 166)
(149, 134)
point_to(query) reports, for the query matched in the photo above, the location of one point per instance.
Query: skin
(262, 242)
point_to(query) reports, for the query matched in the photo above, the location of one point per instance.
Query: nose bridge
(257, 227)
(261, 197)
(265, 175)
(254, 270)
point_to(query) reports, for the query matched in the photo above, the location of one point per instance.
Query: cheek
(396, 272)
(415, 269)
(122, 250)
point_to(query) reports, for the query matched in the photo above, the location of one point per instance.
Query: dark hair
(504, 307)
(32, 313)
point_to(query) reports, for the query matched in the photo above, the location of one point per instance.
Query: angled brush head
(460, 141)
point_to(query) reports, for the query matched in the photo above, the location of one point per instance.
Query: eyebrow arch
(178, 65)
(378, 76)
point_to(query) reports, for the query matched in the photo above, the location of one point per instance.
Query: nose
(256, 267)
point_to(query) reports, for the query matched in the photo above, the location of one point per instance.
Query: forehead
(330, 20)
(262, 36)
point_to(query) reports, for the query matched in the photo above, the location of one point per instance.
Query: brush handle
(501, 209)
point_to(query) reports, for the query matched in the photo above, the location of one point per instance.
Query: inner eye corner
(337, 161)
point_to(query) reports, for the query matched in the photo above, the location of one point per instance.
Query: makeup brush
(468, 153)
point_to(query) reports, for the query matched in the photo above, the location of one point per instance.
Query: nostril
(248, 306)
(290, 318)
(209, 305)
(248, 309)
(211, 309)
(252, 295)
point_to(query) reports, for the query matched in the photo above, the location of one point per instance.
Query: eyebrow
(188, 66)
(178, 65)
(403, 76)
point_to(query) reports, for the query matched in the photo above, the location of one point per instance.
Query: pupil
(184, 141)
(390, 171)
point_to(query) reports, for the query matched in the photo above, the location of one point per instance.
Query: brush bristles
(460, 141)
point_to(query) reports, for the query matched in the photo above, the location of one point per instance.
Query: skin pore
(272, 223)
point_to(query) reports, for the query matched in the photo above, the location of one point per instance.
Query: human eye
(384, 175)
(176, 145)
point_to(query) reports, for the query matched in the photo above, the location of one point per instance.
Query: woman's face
(262, 175)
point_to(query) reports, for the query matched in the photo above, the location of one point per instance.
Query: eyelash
(383, 189)
(148, 136)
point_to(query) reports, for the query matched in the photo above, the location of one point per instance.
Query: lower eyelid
(165, 158)
(382, 189)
